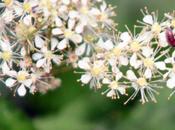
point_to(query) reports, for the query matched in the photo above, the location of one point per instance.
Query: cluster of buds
(36, 35)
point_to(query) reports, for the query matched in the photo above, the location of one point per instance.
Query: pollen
(8, 2)
(89, 38)
(68, 33)
(156, 28)
(114, 85)
(6, 55)
(21, 76)
(142, 82)
(27, 7)
(84, 10)
(135, 46)
(95, 71)
(148, 62)
(173, 23)
(117, 51)
(48, 55)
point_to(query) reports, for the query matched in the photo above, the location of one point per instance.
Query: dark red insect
(170, 37)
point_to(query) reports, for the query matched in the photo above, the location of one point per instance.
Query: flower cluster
(36, 35)
(140, 61)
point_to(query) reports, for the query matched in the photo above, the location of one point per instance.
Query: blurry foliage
(72, 107)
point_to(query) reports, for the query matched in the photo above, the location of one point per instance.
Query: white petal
(84, 64)
(22, 91)
(148, 73)
(39, 42)
(54, 43)
(125, 37)
(131, 75)
(40, 62)
(62, 44)
(80, 50)
(10, 82)
(147, 51)
(28, 83)
(123, 60)
(37, 56)
(71, 24)
(86, 78)
(5, 68)
(76, 38)
(160, 65)
(58, 22)
(111, 93)
(122, 90)
(148, 19)
(162, 40)
(57, 31)
(171, 83)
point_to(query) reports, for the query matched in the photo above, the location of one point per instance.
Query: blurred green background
(73, 107)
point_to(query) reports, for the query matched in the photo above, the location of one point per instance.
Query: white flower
(95, 71)
(45, 56)
(21, 80)
(143, 86)
(67, 34)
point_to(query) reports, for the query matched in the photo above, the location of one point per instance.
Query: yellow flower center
(6, 55)
(8, 2)
(142, 82)
(114, 85)
(84, 10)
(156, 28)
(21, 76)
(117, 51)
(95, 71)
(68, 33)
(135, 46)
(27, 7)
(173, 23)
(102, 17)
(48, 55)
(23, 31)
(89, 38)
(148, 62)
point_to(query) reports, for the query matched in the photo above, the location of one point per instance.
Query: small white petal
(122, 90)
(10, 82)
(131, 75)
(84, 64)
(28, 83)
(125, 37)
(40, 62)
(80, 50)
(62, 44)
(86, 78)
(76, 38)
(39, 42)
(123, 60)
(37, 56)
(148, 19)
(148, 73)
(160, 65)
(22, 91)
(147, 51)
(57, 31)
(54, 43)
(171, 83)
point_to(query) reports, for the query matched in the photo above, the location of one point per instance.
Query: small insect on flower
(170, 37)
